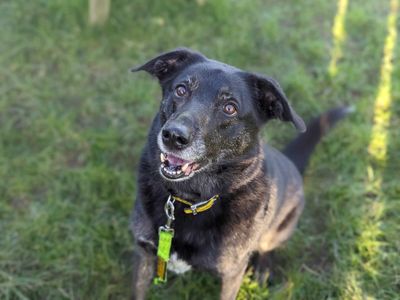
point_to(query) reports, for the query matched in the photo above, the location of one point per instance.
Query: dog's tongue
(192, 167)
(176, 161)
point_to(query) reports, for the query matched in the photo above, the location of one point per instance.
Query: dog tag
(165, 236)
(161, 274)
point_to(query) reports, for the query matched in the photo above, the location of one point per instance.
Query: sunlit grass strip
(369, 243)
(378, 144)
(339, 35)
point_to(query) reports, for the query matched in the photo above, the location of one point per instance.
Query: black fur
(260, 190)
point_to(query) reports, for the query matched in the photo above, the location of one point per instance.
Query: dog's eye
(180, 91)
(230, 109)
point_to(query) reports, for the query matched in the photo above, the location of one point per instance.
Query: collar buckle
(195, 206)
(194, 209)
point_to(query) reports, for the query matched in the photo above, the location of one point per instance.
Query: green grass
(73, 121)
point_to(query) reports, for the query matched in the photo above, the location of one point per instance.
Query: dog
(206, 175)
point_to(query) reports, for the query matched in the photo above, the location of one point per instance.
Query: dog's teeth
(162, 157)
(185, 166)
(188, 170)
(179, 172)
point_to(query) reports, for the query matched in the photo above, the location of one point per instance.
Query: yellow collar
(197, 207)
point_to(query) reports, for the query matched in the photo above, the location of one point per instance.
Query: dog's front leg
(143, 272)
(231, 282)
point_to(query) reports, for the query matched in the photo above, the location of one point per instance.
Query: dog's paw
(263, 269)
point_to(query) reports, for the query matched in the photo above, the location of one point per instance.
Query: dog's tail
(300, 149)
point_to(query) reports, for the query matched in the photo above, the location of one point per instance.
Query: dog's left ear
(271, 100)
(167, 65)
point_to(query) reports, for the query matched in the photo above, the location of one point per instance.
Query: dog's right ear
(168, 64)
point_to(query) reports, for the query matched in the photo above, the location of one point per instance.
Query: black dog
(204, 149)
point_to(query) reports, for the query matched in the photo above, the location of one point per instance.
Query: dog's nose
(176, 137)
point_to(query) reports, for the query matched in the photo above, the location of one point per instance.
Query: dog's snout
(176, 137)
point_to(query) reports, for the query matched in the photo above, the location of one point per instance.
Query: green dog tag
(165, 236)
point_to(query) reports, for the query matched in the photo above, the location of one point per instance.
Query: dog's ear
(271, 101)
(168, 64)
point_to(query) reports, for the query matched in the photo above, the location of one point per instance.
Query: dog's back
(284, 170)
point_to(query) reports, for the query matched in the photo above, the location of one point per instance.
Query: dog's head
(211, 112)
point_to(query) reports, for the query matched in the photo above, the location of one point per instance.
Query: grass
(73, 122)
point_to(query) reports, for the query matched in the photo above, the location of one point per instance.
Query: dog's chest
(177, 265)
(193, 247)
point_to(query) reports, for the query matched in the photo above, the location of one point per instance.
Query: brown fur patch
(324, 124)
(287, 220)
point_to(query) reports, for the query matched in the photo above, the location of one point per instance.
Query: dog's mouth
(173, 167)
